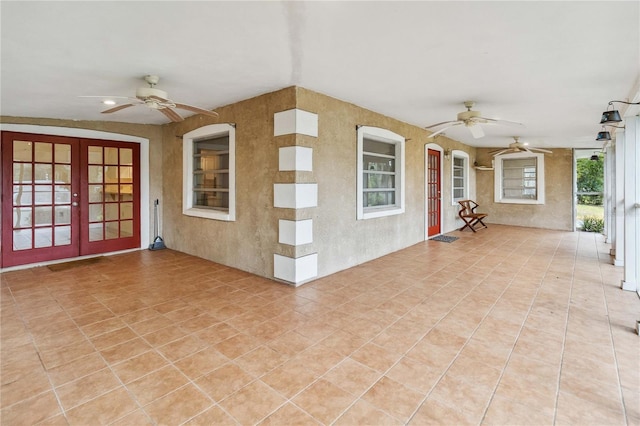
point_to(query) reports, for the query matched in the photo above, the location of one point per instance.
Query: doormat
(73, 264)
(444, 238)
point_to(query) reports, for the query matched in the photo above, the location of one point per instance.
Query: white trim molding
(295, 158)
(295, 270)
(386, 136)
(540, 182)
(188, 139)
(295, 121)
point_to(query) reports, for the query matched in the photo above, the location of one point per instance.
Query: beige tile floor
(507, 326)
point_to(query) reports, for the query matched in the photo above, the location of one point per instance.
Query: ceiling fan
(472, 120)
(517, 146)
(155, 99)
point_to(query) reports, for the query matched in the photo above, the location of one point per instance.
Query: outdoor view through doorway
(589, 190)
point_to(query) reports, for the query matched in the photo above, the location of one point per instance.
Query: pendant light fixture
(603, 135)
(612, 116)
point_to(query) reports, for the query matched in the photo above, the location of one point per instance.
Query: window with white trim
(380, 178)
(519, 178)
(209, 172)
(459, 176)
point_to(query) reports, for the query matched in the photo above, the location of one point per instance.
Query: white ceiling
(550, 65)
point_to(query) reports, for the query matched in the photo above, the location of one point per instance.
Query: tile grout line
(613, 344)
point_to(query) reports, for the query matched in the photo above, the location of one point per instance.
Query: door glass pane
(126, 228)
(95, 174)
(111, 156)
(95, 193)
(126, 192)
(63, 235)
(111, 230)
(126, 156)
(126, 210)
(63, 153)
(63, 173)
(95, 155)
(22, 239)
(111, 174)
(95, 212)
(21, 151)
(126, 174)
(22, 173)
(63, 194)
(111, 211)
(43, 216)
(22, 217)
(43, 173)
(43, 152)
(43, 237)
(111, 192)
(95, 232)
(63, 215)
(43, 194)
(22, 195)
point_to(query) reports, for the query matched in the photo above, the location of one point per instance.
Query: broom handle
(155, 217)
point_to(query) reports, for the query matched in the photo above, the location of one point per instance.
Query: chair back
(467, 208)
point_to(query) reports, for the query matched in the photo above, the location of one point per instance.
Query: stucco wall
(249, 242)
(555, 213)
(339, 239)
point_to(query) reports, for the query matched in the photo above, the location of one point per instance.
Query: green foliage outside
(592, 224)
(590, 179)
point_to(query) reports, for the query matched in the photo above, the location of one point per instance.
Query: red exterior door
(434, 189)
(69, 197)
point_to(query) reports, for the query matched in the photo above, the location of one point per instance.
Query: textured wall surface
(340, 240)
(250, 241)
(555, 213)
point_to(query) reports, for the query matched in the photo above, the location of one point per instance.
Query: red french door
(434, 188)
(69, 197)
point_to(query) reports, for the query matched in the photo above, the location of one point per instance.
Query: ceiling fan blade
(456, 122)
(197, 110)
(107, 97)
(542, 150)
(171, 114)
(502, 122)
(117, 108)
(444, 128)
(502, 151)
(476, 130)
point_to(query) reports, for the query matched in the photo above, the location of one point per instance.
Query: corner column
(631, 204)
(296, 193)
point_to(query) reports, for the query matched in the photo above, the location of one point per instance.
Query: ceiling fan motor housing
(468, 115)
(145, 92)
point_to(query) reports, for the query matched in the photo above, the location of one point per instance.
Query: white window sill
(210, 214)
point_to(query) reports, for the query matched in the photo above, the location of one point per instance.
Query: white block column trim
(295, 158)
(295, 195)
(295, 232)
(296, 270)
(295, 121)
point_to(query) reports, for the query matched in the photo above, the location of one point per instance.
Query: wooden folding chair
(468, 214)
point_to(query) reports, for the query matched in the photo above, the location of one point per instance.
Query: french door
(434, 188)
(69, 197)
